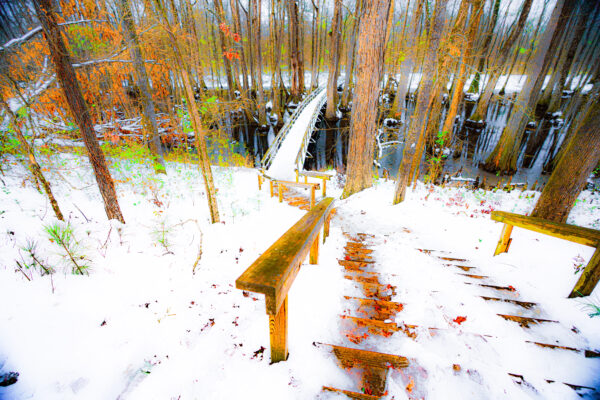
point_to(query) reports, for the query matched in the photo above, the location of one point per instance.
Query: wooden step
(475, 276)
(377, 291)
(524, 321)
(351, 357)
(504, 288)
(524, 304)
(587, 353)
(463, 267)
(376, 309)
(363, 279)
(452, 259)
(352, 395)
(356, 245)
(355, 264)
(358, 250)
(382, 328)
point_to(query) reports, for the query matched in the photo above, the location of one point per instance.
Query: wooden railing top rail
(573, 233)
(274, 271)
(586, 236)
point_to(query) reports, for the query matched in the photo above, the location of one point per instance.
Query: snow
(143, 326)
(284, 161)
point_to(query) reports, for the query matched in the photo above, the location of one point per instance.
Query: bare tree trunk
(334, 61)
(350, 53)
(231, 87)
(371, 46)
(457, 94)
(70, 86)
(419, 117)
(256, 7)
(199, 132)
(474, 87)
(34, 167)
(238, 27)
(569, 178)
(295, 51)
(503, 158)
(496, 70)
(141, 75)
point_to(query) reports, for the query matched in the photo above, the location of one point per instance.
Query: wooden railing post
(324, 187)
(312, 197)
(278, 333)
(589, 277)
(271, 187)
(313, 258)
(326, 227)
(504, 242)
(280, 191)
(259, 182)
(297, 176)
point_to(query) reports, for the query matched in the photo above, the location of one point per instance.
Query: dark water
(329, 144)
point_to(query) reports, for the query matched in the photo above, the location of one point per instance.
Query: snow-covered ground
(143, 325)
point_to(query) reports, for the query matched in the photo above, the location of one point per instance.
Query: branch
(38, 29)
(106, 60)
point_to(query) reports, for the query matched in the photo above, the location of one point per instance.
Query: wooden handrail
(275, 270)
(314, 174)
(573, 233)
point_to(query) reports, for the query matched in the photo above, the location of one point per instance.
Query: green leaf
(522, 50)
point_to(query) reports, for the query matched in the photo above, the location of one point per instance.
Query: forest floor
(143, 323)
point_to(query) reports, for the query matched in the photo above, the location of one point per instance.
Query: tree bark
(457, 94)
(569, 178)
(141, 75)
(334, 61)
(371, 46)
(72, 92)
(419, 117)
(295, 51)
(350, 53)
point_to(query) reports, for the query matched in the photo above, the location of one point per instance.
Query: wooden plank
(351, 357)
(314, 251)
(316, 174)
(524, 321)
(351, 395)
(274, 271)
(278, 333)
(504, 241)
(589, 277)
(301, 185)
(524, 304)
(573, 233)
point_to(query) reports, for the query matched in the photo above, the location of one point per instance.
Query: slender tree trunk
(371, 46)
(351, 51)
(499, 63)
(238, 27)
(224, 49)
(256, 38)
(141, 75)
(70, 86)
(419, 117)
(457, 94)
(485, 47)
(569, 178)
(199, 132)
(334, 61)
(315, 46)
(503, 158)
(295, 51)
(34, 167)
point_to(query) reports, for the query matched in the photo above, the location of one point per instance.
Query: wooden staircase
(369, 369)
